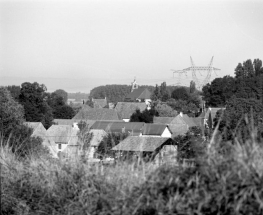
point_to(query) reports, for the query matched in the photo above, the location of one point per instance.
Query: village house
(138, 94)
(40, 131)
(126, 109)
(156, 149)
(66, 139)
(99, 103)
(132, 128)
(96, 114)
(158, 130)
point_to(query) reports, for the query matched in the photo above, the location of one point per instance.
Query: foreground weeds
(229, 183)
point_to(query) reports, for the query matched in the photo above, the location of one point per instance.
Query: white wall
(126, 120)
(166, 133)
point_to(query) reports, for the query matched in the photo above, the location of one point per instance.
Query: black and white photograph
(131, 107)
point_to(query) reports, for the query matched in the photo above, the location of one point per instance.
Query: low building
(158, 130)
(96, 114)
(132, 128)
(126, 109)
(156, 149)
(66, 139)
(99, 103)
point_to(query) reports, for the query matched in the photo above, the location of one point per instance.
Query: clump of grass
(222, 183)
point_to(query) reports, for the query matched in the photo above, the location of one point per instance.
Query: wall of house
(126, 120)
(168, 154)
(166, 133)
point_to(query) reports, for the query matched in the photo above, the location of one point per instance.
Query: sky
(78, 45)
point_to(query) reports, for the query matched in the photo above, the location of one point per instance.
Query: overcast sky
(78, 45)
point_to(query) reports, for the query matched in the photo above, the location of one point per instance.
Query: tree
(15, 91)
(33, 98)
(11, 113)
(192, 87)
(60, 109)
(108, 142)
(164, 93)
(63, 94)
(145, 116)
(156, 95)
(165, 110)
(180, 93)
(258, 67)
(239, 118)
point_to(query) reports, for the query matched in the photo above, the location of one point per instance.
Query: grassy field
(220, 183)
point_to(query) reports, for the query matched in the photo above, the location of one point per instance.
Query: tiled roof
(118, 126)
(162, 120)
(140, 93)
(183, 120)
(189, 120)
(96, 114)
(99, 103)
(62, 134)
(38, 129)
(178, 129)
(140, 144)
(153, 129)
(63, 121)
(126, 109)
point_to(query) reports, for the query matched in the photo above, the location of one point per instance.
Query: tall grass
(220, 183)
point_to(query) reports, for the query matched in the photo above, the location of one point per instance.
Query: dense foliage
(11, 113)
(144, 116)
(108, 142)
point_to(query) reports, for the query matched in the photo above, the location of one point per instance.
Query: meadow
(221, 182)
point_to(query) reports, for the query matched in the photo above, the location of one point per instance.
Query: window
(59, 146)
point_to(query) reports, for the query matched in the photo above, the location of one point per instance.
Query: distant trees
(219, 91)
(63, 94)
(15, 91)
(161, 93)
(32, 97)
(11, 112)
(165, 110)
(114, 93)
(60, 109)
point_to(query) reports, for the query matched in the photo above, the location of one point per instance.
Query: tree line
(242, 96)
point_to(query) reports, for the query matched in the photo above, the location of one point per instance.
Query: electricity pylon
(179, 72)
(209, 69)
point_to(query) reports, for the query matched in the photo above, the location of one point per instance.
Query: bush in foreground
(221, 184)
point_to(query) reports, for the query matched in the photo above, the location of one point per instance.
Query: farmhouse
(157, 149)
(66, 139)
(40, 131)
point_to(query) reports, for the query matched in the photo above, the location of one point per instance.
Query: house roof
(63, 134)
(126, 109)
(178, 129)
(140, 144)
(63, 121)
(96, 114)
(99, 103)
(38, 128)
(162, 120)
(154, 129)
(183, 120)
(140, 93)
(118, 126)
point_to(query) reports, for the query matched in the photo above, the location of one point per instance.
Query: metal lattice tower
(209, 69)
(179, 72)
